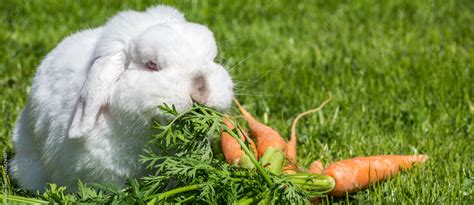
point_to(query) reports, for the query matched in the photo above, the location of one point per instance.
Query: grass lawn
(401, 74)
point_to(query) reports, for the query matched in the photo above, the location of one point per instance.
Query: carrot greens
(185, 168)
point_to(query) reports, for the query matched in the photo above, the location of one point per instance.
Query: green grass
(401, 73)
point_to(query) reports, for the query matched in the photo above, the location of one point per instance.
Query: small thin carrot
(316, 167)
(233, 153)
(264, 134)
(290, 150)
(355, 174)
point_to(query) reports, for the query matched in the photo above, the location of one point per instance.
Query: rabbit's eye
(152, 66)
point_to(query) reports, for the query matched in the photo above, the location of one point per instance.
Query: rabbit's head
(171, 62)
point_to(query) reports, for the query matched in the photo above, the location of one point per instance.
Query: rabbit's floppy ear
(94, 94)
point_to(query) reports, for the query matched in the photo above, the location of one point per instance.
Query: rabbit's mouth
(160, 115)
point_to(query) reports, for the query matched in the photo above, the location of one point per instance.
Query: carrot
(264, 134)
(232, 150)
(316, 167)
(290, 151)
(354, 174)
(270, 144)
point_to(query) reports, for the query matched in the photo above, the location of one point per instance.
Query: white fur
(92, 101)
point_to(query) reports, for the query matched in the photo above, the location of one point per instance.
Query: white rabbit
(93, 97)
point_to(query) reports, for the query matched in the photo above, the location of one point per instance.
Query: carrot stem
(164, 195)
(7, 199)
(312, 182)
(273, 160)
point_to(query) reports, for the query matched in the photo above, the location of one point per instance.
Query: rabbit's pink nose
(200, 90)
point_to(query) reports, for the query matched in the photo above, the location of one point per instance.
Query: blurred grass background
(401, 73)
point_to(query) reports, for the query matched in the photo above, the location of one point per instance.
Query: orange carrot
(290, 151)
(316, 167)
(232, 150)
(354, 174)
(270, 144)
(265, 135)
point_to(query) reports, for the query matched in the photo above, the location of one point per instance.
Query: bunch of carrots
(279, 157)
